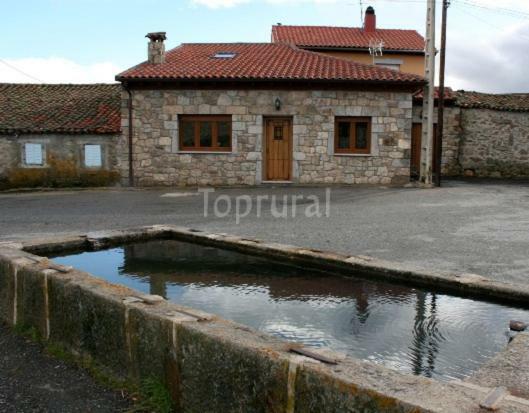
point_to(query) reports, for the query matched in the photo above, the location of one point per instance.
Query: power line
(501, 10)
(465, 10)
(20, 71)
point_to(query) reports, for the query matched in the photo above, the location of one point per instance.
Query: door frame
(289, 119)
(417, 147)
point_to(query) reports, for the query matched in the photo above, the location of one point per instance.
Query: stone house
(250, 113)
(58, 135)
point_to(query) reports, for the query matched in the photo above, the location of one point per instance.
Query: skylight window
(225, 55)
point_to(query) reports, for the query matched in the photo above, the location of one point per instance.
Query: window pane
(188, 133)
(278, 133)
(389, 66)
(92, 156)
(33, 153)
(361, 135)
(206, 138)
(343, 135)
(223, 138)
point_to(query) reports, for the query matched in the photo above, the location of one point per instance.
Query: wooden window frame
(197, 120)
(352, 120)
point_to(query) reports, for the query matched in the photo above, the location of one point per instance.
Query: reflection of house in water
(174, 262)
(185, 263)
(426, 335)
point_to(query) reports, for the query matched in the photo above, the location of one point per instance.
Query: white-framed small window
(92, 156)
(389, 66)
(33, 154)
(393, 64)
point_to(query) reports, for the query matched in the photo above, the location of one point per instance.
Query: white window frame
(89, 156)
(33, 154)
(389, 66)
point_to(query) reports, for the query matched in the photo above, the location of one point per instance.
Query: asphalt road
(475, 227)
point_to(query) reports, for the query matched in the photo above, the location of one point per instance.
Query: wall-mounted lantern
(277, 104)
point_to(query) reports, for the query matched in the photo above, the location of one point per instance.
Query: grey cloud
(497, 64)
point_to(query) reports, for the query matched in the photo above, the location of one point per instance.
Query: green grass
(154, 397)
(29, 332)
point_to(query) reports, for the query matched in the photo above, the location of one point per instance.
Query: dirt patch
(33, 381)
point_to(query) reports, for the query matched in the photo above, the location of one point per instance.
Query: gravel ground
(32, 381)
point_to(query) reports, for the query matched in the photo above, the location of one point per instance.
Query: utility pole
(428, 97)
(441, 101)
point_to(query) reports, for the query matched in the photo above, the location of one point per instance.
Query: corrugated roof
(60, 108)
(347, 37)
(260, 61)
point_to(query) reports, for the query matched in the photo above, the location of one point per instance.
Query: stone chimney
(370, 20)
(156, 50)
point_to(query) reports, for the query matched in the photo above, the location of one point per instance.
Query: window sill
(33, 166)
(354, 154)
(205, 152)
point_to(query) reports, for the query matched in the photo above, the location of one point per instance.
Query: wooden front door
(278, 149)
(416, 138)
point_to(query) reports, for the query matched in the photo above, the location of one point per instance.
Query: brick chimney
(370, 21)
(156, 50)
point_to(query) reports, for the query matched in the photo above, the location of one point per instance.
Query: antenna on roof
(376, 48)
(361, 13)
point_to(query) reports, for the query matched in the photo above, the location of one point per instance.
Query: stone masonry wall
(451, 137)
(63, 155)
(158, 161)
(59, 146)
(495, 143)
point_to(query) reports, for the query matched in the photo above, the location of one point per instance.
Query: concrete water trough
(216, 365)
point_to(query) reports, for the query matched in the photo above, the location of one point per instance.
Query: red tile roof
(449, 94)
(260, 61)
(511, 102)
(60, 108)
(347, 37)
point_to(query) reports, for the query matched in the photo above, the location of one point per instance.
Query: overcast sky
(93, 40)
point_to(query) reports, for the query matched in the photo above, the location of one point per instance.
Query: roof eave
(22, 131)
(418, 82)
(359, 49)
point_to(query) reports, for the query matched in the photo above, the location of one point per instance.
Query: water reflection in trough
(434, 335)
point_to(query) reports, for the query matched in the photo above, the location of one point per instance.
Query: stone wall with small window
(31, 160)
(164, 154)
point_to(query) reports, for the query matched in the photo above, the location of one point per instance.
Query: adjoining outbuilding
(495, 139)
(58, 135)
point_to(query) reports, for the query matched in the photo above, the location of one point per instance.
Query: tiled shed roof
(260, 61)
(514, 102)
(59, 108)
(449, 95)
(347, 37)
